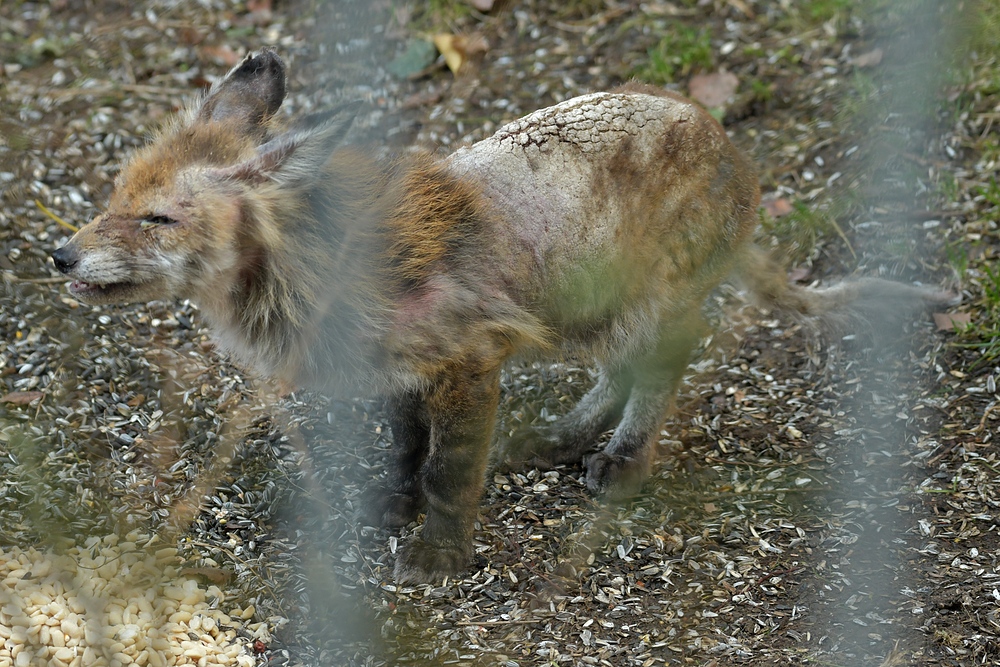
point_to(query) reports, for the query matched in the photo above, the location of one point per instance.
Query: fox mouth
(95, 291)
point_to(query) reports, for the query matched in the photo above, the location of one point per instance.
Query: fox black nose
(65, 259)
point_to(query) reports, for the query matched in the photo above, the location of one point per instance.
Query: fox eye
(155, 220)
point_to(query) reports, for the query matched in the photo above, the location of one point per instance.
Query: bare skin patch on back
(591, 122)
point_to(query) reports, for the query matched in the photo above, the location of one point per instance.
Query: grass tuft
(681, 51)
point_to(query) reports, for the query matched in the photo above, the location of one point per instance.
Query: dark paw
(615, 477)
(537, 447)
(422, 563)
(392, 510)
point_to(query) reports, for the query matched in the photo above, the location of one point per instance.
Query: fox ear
(299, 154)
(249, 94)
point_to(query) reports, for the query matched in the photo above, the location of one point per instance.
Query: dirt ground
(821, 497)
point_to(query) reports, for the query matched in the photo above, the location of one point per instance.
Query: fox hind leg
(619, 470)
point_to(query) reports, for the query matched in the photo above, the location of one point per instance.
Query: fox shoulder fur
(597, 225)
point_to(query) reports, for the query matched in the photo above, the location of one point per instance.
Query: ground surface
(819, 499)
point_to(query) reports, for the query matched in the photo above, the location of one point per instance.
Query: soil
(822, 495)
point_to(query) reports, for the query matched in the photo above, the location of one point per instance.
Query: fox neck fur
(346, 292)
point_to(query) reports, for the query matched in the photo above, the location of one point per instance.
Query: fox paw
(390, 509)
(423, 563)
(399, 509)
(614, 476)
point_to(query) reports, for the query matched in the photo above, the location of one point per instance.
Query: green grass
(821, 11)
(958, 259)
(805, 15)
(863, 106)
(975, 71)
(763, 91)
(982, 28)
(799, 232)
(990, 193)
(991, 286)
(436, 16)
(680, 52)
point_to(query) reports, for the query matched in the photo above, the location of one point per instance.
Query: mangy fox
(596, 226)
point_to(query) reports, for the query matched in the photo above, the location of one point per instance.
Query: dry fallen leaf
(870, 59)
(189, 35)
(224, 55)
(948, 321)
(458, 49)
(743, 7)
(798, 274)
(777, 207)
(713, 90)
(21, 397)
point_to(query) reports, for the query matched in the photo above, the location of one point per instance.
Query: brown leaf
(743, 7)
(798, 274)
(715, 89)
(224, 55)
(189, 35)
(948, 321)
(259, 5)
(870, 59)
(417, 100)
(458, 49)
(21, 397)
(777, 207)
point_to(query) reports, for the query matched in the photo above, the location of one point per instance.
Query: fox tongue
(83, 286)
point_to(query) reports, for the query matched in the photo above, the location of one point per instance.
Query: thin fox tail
(871, 299)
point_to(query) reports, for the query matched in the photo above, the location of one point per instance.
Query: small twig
(932, 215)
(118, 89)
(932, 461)
(9, 275)
(945, 449)
(840, 232)
(982, 422)
(46, 211)
(518, 621)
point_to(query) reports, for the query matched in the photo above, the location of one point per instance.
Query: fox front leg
(403, 498)
(462, 410)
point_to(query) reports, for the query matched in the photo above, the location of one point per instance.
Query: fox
(596, 227)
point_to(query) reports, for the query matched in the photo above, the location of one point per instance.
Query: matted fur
(595, 226)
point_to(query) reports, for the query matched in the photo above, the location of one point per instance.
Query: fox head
(194, 212)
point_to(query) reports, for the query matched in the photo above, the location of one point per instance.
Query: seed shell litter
(796, 473)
